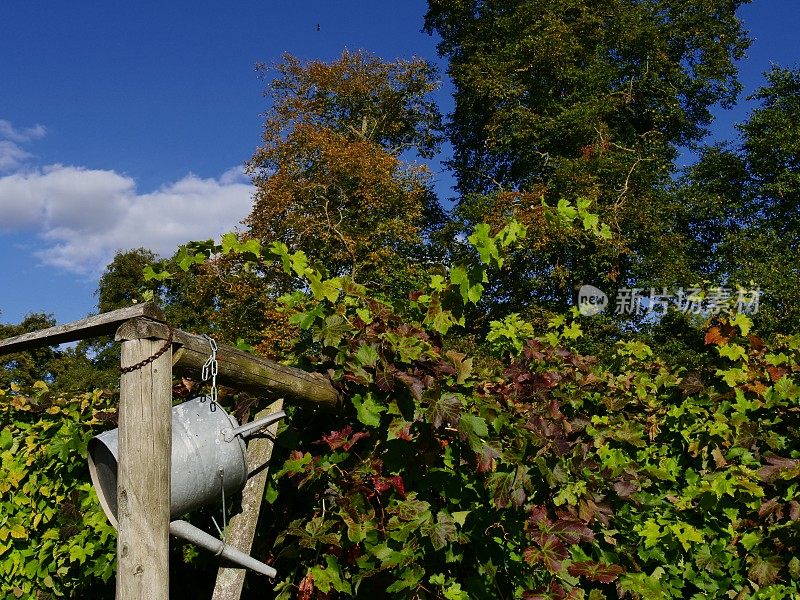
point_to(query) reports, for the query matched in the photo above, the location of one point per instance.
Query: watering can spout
(192, 534)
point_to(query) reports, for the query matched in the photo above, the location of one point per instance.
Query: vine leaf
(595, 571)
(447, 409)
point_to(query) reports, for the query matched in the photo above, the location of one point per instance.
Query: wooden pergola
(145, 431)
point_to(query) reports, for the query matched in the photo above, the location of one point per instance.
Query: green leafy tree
(739, 205)
(583, 99)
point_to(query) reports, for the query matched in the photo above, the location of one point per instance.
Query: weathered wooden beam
(143, 473)
(238, 369)
(103, 324)
(242, 528)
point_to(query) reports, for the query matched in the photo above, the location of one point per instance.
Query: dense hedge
(533, 473)
(554, 477)
(55, 540)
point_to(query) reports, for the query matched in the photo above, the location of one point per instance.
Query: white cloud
(12, 154)
(81, 217)
(84, 216)
(20, 136)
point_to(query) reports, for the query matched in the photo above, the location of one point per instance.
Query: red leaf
(572, 531)
(775, 373)
(777, 465)
(397, 483)
(359, 435)
(714, 336)
(342, 439)
(539, 518)
(553, 592)
(624, 488)
(414, 384)
(486, 458)
(306, 588)
(383, 484)
(595, 571)
(769, 507)
(336, 439)
(550, 551)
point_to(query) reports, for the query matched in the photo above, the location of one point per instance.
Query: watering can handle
(249, 429)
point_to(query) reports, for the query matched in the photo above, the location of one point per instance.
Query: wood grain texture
(242, 528)
(143, 476)
(103, 324)
(238, 369)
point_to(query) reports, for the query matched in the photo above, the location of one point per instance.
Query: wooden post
(242, 528)
(143, 477)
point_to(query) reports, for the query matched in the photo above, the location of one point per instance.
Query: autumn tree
(334, 174)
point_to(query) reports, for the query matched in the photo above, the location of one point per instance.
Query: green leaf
(743, 322)
(231, 244)
(454, 592)
(591, 222)
(186, 257)
(364, 315)
(566, 211)
(472, 425)
(442, 531)
(328, 289)
(485, 244)
(686, 534)
(367, 355)
(732, 352)
(330, 577)
(367, 410)
(651, 533)
(305, 320)
(461, 516)
(150, 274)
(6, 439)
(750, 540)
(333, 331)
(406, 579)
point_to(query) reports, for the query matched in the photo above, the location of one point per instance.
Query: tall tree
(333, 174)
(578, 98)
(741, 204)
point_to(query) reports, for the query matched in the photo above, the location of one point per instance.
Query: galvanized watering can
(208, 459)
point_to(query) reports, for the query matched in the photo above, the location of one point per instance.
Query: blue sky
(125, 124)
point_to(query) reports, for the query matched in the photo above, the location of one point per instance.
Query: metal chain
(210, 369)
(152, 358)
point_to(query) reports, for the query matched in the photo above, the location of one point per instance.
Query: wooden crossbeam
(237, 369)
(98, 325)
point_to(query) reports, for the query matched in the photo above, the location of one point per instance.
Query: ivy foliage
(551, 476)
(55, 540)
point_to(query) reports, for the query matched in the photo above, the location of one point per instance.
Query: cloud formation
(83, 216)
(12, 154)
